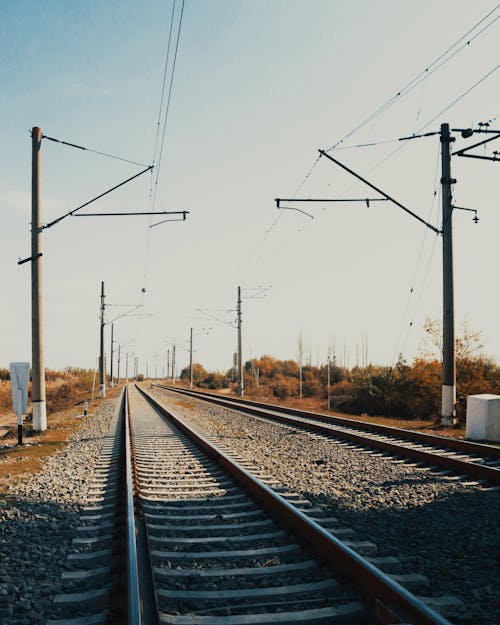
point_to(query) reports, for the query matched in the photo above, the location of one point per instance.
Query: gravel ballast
(38, 517)
(441, 528)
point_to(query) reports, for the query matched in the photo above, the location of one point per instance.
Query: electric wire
(397, 349)
(428, 123)
(267, 232)
(158, 153)
(423, 75)
(81, 147)
(438, 62)
(310, 223)
(422, 288)
(167, 109)
(154, 180)
(165, 121)
(460, 97)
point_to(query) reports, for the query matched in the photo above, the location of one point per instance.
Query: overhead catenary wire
(81, 147)
(158, 154)
(461, 96)
(411, 293)
(167, 108)
(423, 75)
(443, 58)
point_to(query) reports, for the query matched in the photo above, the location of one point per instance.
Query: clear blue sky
(259, 87)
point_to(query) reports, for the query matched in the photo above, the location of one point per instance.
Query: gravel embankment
(37, 522)
(443, 529)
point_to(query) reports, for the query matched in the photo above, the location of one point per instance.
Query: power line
(404, 91)
(423, 75)
(159, 154)
(156, 154)
(80, 147)
(167, 109)
(158, 123)
(411, 294)
(461, 96)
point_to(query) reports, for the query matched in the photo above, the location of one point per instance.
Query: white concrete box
(483, 418)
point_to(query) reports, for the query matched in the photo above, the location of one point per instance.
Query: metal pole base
(19, 434)
(39, 416)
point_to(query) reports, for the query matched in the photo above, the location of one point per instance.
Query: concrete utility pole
(449, 369)
(102, 379)
(111, 360)
(118, 372)
(191, 358)
(168, 364)
(173, 364)
(37, 355)
(126, 366)
(328, 383)
(240, 355)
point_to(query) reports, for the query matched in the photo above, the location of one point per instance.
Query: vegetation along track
(461, 457)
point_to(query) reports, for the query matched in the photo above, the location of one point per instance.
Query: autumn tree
(468, 343)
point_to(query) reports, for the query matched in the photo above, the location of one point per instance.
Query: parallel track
(459, 456)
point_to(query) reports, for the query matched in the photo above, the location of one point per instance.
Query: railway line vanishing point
(204, 541)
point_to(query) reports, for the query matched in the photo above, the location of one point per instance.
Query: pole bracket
(31, 258)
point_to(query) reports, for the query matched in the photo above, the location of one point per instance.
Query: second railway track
(482, 462)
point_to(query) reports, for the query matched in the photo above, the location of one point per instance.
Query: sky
(259, 86)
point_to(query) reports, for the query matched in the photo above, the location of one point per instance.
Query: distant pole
(191, 358)
(449, 372)
(102, 380)
(240, 356)
(173, 364)
(126, 366)
(168, 364)
(118, 371)
(328, 383)
(156, 370)
(38, 368)
(111, 360)
(147, 370)
(300, 380)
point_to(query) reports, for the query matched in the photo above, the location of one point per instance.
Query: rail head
(389, 599)
(456, 444)
(134, 613)
(479, 471)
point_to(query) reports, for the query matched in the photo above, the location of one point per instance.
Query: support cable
(158, 154)
(423, 75)
(80, 147)
(397, 349)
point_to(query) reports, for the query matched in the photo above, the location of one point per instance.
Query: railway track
(463, 458)
(180, 533)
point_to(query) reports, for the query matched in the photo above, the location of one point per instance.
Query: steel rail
(134, 615)
(479, 471)
(388, 599)
(421, 437)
